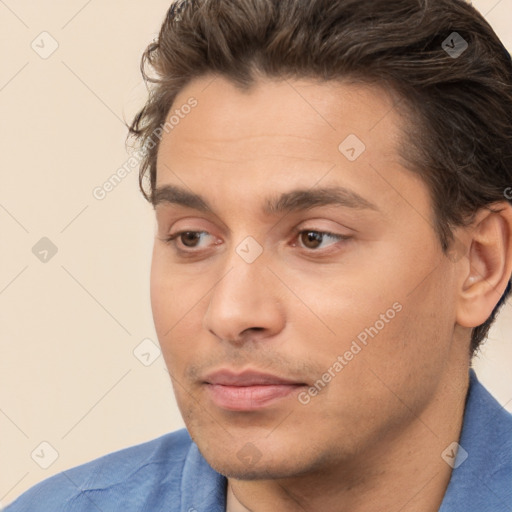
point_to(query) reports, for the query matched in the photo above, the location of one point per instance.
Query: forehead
(315, 113)
(284, 133)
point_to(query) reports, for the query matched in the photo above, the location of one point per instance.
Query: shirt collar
(202, 488)
(483, 480)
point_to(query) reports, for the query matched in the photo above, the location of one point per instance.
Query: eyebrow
(292, 201)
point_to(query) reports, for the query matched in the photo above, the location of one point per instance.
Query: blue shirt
(169, 474)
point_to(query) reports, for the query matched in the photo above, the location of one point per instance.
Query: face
(292, 241)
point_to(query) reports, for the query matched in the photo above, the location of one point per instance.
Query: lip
(249, 390)
(227, 377)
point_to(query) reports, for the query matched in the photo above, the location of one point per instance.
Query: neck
(404, 471)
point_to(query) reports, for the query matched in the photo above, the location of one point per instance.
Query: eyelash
(171, 240)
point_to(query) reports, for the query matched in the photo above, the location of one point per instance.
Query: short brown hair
(459, 137)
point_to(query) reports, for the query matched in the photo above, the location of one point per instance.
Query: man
(333, 243)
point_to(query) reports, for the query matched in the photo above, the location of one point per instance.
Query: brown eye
(189, 238)
(311, 239)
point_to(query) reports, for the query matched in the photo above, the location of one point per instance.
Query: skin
(372, 438)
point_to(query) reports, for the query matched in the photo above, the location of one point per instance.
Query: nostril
(247, 331)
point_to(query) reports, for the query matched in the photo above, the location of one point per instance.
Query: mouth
(249, 390)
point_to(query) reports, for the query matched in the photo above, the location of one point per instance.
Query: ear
(488, 267)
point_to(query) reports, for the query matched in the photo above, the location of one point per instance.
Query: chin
(233, 468)
(246, 462)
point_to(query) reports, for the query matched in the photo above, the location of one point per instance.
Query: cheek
(171, 291)
(397, 316)
(175, 303)
(166, 301)
(344, 300)
(340, 306)
(160, 292)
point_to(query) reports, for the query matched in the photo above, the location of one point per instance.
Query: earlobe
(489, 267)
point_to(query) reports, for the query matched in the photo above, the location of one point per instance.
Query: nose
(246, 303)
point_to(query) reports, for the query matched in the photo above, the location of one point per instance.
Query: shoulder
(123, 480)
(482, 475)
(489, 433)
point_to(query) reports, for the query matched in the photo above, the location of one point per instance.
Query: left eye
(312, 239)
(187, 238)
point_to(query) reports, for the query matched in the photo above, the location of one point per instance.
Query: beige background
(69, 326)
